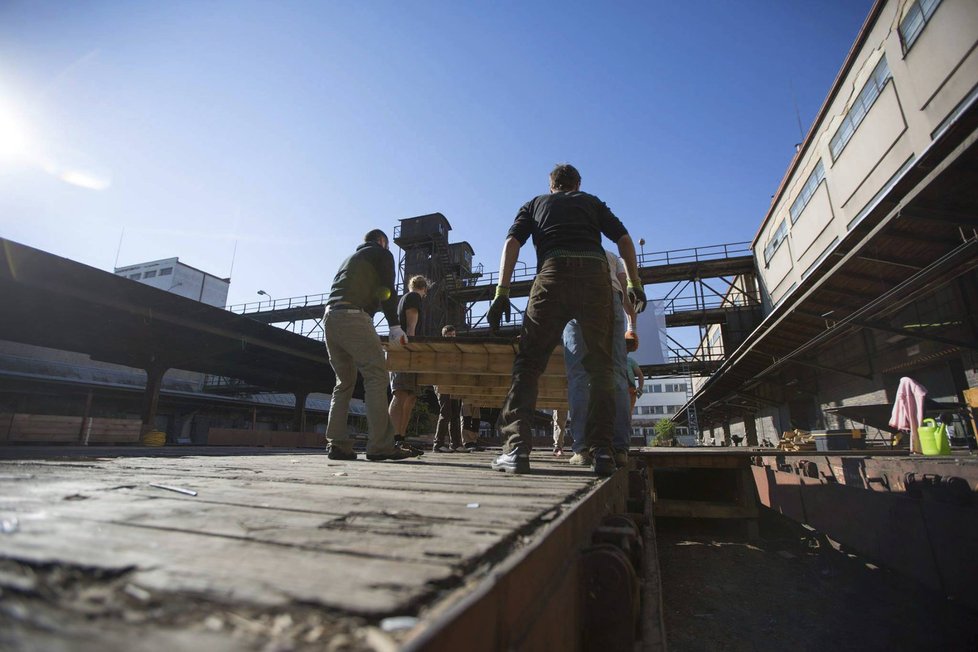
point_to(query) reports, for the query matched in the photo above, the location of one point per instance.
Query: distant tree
(664, 432)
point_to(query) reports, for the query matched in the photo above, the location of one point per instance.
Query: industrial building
(865, 259)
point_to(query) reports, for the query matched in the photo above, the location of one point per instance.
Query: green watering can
(933, 438)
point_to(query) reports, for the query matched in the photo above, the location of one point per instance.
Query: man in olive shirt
(363, 285)
(572, 282)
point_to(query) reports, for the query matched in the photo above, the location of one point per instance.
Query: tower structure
(425, 250)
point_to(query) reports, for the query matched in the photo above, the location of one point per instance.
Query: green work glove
(636, 294)
(500, 306)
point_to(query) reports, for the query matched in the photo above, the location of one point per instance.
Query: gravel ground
(793, 591)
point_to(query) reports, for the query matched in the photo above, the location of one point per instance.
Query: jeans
(353, 344)
(564, 289)
(578, 381)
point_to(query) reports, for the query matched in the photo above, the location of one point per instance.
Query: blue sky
(293, 128)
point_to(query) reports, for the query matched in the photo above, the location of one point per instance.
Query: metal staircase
(692, 423)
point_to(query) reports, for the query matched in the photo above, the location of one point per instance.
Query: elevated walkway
(693, 265)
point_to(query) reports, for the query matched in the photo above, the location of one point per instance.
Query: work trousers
(449, 428)
(353, 344)
(578, 380)
(565, 288)
(470, 422)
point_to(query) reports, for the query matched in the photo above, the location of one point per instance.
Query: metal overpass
(707, 285)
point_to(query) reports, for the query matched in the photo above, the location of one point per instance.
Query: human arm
(626, 304)
(411, 316)
(507, 260)
(636, 292)
(385, 289)
(638, 375)
(500, 304)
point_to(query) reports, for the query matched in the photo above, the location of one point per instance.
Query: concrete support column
(726, 434)
(151, 396)
(299, 416)
(750, 425)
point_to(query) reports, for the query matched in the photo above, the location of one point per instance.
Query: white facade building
(173, 276)
(661, 398)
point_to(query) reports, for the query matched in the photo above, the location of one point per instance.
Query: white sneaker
(580, 459)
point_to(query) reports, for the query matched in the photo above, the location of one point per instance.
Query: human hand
(500, 306)
(631, 341)
(397, 335)
(636, 294)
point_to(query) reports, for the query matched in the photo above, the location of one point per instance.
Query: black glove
(500, 306)
(636, 294)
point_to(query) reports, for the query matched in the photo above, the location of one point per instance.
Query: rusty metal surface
(865, 504)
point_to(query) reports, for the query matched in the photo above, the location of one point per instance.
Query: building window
(648, 388)
(658, 409)
(860, 107)
(677, 387)
(779, 235)
(913, 22)
(807, 191)
(646, 409)
(135, 277)
(166, 271)
(656, 389)
(150, 274)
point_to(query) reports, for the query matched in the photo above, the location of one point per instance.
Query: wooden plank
(44, 428)
(356, 537)
(106, 430)
(499, 392)
(485, 380)
(469, 363)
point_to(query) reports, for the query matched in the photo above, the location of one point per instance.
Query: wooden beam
(485, 381)
(401, 359)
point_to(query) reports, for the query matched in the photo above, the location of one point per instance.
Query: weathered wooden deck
(284, 536)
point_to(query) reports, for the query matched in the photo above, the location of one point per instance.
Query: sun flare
(15, 138)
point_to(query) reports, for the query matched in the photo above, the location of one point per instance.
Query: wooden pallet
(102, 430)
(477, 372)
(44, 428)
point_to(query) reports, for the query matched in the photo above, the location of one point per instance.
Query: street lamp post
(641, 244)
(266, 294)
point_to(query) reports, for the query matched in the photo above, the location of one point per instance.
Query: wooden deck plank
(359, 537)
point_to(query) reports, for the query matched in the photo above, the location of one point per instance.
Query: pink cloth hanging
(908, 409)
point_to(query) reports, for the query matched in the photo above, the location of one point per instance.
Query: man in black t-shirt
(405, 384)
(572, 282)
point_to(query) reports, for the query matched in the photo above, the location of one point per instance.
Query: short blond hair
(446, 329)
(418, 282)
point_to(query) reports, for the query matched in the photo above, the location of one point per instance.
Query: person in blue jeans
(578, 383)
